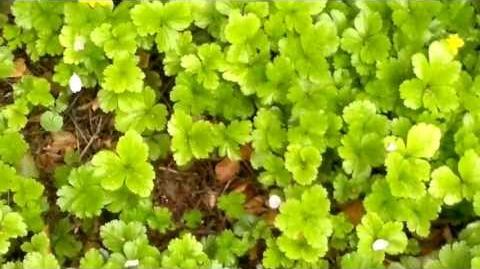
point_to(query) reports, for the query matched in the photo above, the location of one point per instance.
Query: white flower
(391, 147)
(131, 263)
(79, 43)
(274, 201)
(380, 244)
(75, 83)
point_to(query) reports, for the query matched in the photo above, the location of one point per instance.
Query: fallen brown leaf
(255, 205)
(433, 242)
(47, 161)
(269, 217)
(226, 170)
(354, 211)
(246, 152)
(20, 68)
(245, 186)
(144, 59)
(62, 141)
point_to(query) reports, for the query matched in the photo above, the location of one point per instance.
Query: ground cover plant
(240, 134)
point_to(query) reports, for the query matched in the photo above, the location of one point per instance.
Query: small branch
(77, 128)
(92, 138)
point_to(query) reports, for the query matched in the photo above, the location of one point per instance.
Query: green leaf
(192, 218)
(16, 114)
(299, 249)
(468, 169)
(205, 64)
(38, 243)
(39, 260)
(185, 252)
(12, 147)
(118, 41)
(27, 190)
(35, 90)
(64, 242)
(303, 163)
(269, 134)
(423, 140)
(412, 92)
(434, 88)
(232, 204)
(367, 40)
(8, 177)
(298, 16)
(236, 134)
(115, 234)
(305, 225)
(226, 248)
(191, 139)
(123, 75)
(406, 176)
(92, 259)
(381, 201)
(51, 121)
(149, 116)
(6, 58)
(358, 260)
(108, 167)
(373, 229)
(446, 185)
(13, 225)
(456, 255)
(241, 28)
(129, 166)
(83, 196)
(164, 20)
(419, 214)
(160, 220)
(362, 147)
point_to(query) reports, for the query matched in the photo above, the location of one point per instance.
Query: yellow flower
(94, 3)
(454, 42)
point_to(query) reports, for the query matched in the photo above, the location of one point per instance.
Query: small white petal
(75, 83)
(274, 201)
(79, 43)
(391, 147)
(380, 244)
(131, 263)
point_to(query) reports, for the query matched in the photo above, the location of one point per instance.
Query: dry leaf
(269, 217)
(144, 59)
(62, 141)
(226, 170)
(20, 68)
(354, 211)
(246, 152)
(255, 205)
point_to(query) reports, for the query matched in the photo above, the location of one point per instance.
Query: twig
(85, 106)
(173, 171)
(77, 128)
(226, 186)
(92, 138)
(70, 107)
